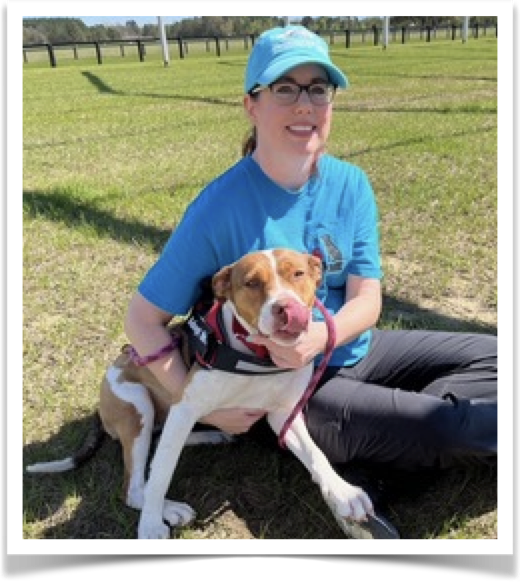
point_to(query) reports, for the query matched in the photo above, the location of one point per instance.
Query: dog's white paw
(174, 512)
(177, 513)
(346, 501)
(151, 528)
(135, 497)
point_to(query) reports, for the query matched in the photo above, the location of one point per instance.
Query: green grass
(112, 156)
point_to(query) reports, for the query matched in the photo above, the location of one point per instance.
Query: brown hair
(249, 143)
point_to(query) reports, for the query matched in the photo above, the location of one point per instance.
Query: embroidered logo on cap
(295, 39)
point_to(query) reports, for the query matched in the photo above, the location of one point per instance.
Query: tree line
(52, 30)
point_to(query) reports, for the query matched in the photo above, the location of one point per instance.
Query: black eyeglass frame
(328, 84)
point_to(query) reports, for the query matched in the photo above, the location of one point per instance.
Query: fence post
(75, 49)
(476, 29)
(428, 33)
(98, 53)
(403, 34)
(25, 60)
(52, 58)
(181, 52)
(217, 43)
(140, 50)
(347, 38)
(376, 35)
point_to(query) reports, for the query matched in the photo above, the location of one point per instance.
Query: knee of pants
(461, 426)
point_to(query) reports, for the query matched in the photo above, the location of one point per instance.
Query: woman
(409, 399)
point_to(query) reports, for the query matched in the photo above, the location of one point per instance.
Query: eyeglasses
(288, 92)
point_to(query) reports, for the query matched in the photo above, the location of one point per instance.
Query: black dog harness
(208, 344)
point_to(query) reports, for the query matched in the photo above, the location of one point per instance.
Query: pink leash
(331, 341)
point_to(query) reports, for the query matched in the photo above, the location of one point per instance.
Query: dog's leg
(135, 455)
(345, 500)
(156, 508)
(128, 414)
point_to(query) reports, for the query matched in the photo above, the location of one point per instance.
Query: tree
(133, 27)
(150, 30)
(33, 36)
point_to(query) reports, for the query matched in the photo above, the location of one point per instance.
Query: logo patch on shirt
(334, 258)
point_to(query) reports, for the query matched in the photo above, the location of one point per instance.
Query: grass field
(112, 156)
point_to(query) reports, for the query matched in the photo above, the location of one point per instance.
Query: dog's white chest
(213, 389)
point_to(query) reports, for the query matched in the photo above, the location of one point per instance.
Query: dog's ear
(221, 283)
(316, 269)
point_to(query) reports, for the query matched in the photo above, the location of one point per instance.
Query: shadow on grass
(407, 315)
(105, 88)
(406, 142)
(63, 207)
(242, 490)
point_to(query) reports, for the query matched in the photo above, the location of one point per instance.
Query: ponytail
(249, 143)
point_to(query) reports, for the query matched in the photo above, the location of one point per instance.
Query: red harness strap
(241, 333)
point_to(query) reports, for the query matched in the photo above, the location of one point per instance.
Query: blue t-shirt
(243, 210)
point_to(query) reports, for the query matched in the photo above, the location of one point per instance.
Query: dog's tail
(92, 443)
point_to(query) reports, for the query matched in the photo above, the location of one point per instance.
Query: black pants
(419, 399)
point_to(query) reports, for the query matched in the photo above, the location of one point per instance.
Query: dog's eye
(252, 283)
(299, 274)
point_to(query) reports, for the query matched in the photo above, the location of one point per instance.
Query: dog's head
(272, 292)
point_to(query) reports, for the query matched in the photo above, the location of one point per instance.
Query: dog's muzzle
(290, 316)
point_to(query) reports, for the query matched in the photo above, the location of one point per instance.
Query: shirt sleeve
(173, 282)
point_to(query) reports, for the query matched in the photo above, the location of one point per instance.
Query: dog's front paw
(176, 513)
(152, 529)
(346, 501)
(135, 497)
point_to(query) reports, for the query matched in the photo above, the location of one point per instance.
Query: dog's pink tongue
(297, 317)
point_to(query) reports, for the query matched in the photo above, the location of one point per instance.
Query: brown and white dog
(268, 292)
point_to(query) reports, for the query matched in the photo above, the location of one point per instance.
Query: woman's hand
(308, 346)
(233, 420)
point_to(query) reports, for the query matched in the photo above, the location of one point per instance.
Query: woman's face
(300, 129)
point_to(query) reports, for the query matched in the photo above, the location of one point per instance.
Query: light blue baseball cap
(278, 50)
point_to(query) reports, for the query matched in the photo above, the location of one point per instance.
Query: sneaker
(375, 527)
